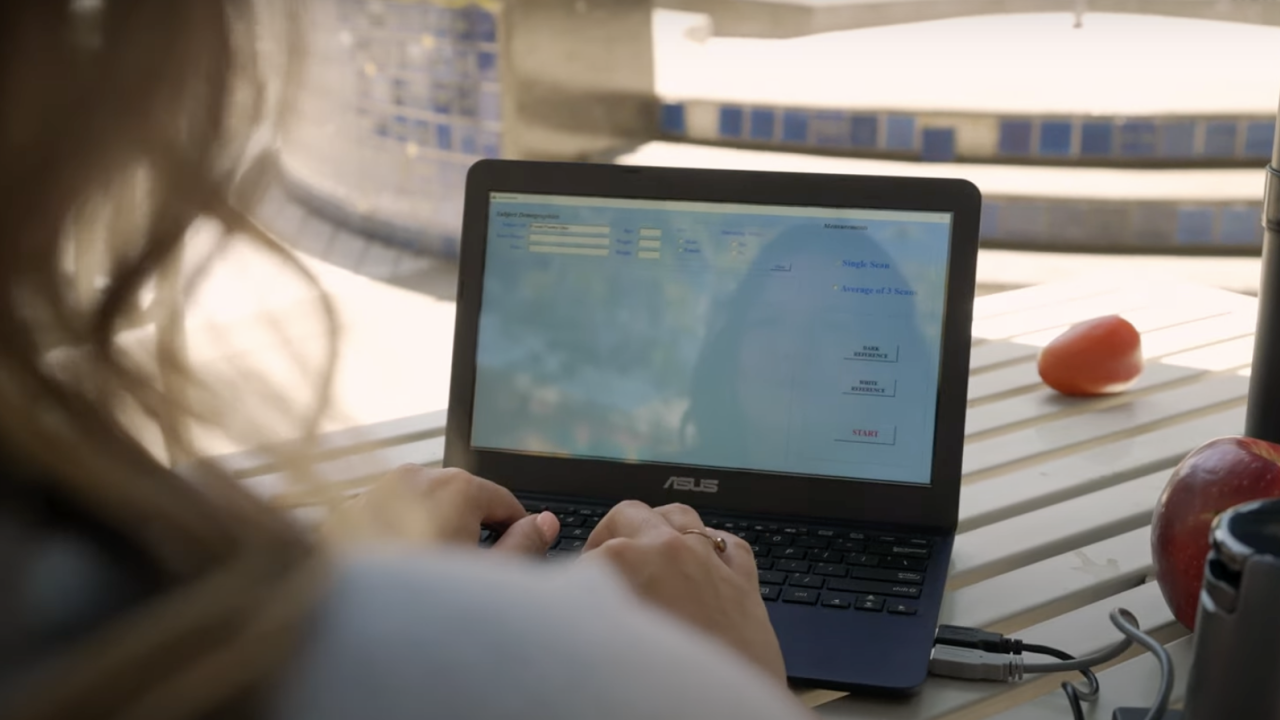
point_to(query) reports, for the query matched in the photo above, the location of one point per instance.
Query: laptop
(786, 353)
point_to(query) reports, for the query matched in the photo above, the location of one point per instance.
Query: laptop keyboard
(803, 564)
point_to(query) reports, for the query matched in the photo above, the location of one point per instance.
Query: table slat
(1034, 536)
(1128, 419)
(1028, 489)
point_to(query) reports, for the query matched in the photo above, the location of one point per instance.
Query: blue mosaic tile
(1138, 138)
(1241, 226)
(422, 133)
(1220, 139)
(1015, 137)
(466, 141)
(1023, 221)
(938, 144)
(730, 121)
(900, 132)
(444, 136)
(484, 26)
(830, 129)
(989, 223)
(487, 65)
(490, 144)
(864, 131)
(1154, 224)
(490, 106)
(1096, 139)
(1178, 139)
(402, 127)
(1195, 225)
(671, 119)
(1258, 138)
(795, 126)
(1055, 138)
(762, 124)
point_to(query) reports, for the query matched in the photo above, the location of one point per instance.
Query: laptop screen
(779, 339)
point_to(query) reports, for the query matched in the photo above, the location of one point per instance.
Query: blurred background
(1106, 136)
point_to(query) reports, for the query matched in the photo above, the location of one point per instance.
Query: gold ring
(717, 542)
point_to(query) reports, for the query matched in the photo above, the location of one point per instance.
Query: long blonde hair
(124, 122)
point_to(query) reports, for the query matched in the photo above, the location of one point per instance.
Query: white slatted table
(1058, 491)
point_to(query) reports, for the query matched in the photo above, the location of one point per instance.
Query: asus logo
(692, 485)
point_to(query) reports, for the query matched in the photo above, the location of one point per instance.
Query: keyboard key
(795, 566)
(591, 523)
(589, 512)
(570, 544)
(910, 577)
(487, 536)
(911, 551)
(806, 581)
(901, 608)
(863, 560)
(826, 534)
(572, 521)
(763, 563)
(874, 588)
(887, 539)
(837, 601)
(812, 542)
(848, 546)
(904, 563)
(770, 592)
(791, 530)
(770, 577)
(746, 535)
(826, 556)
(872, 603)
(920, 542)
(760, 550)
(831, 570)
(800, 595)
(576, 532)
(791, 553)
(856, 536)
(775, 539)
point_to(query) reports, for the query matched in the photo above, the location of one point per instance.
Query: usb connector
(976, 639)
(970, 664)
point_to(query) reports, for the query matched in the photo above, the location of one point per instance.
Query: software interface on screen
(784, 339)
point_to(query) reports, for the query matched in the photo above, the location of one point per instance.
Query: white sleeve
(470, 635)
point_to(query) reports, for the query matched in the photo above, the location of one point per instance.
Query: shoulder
(471, 635)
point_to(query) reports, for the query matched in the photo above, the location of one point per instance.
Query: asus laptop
(786, 353)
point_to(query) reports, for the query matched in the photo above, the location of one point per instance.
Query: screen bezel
(935, 505)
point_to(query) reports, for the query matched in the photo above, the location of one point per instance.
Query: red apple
(1095, 357)
(1215, 477)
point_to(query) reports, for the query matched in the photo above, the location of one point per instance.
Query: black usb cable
(974, 654)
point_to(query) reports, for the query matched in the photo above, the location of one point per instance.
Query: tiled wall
(1048, 223)
(402, 98)
(943, 138)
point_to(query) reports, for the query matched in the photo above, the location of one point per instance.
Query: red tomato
(1096, 357)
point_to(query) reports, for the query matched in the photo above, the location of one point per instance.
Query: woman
(131, 592)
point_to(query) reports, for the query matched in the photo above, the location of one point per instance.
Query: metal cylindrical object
(1263, 414)
(1237, 651)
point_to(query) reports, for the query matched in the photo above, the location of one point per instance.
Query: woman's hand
(686, 575)
(415, 504)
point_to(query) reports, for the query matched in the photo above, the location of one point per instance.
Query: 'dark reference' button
(874, 352)
(870, 434)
